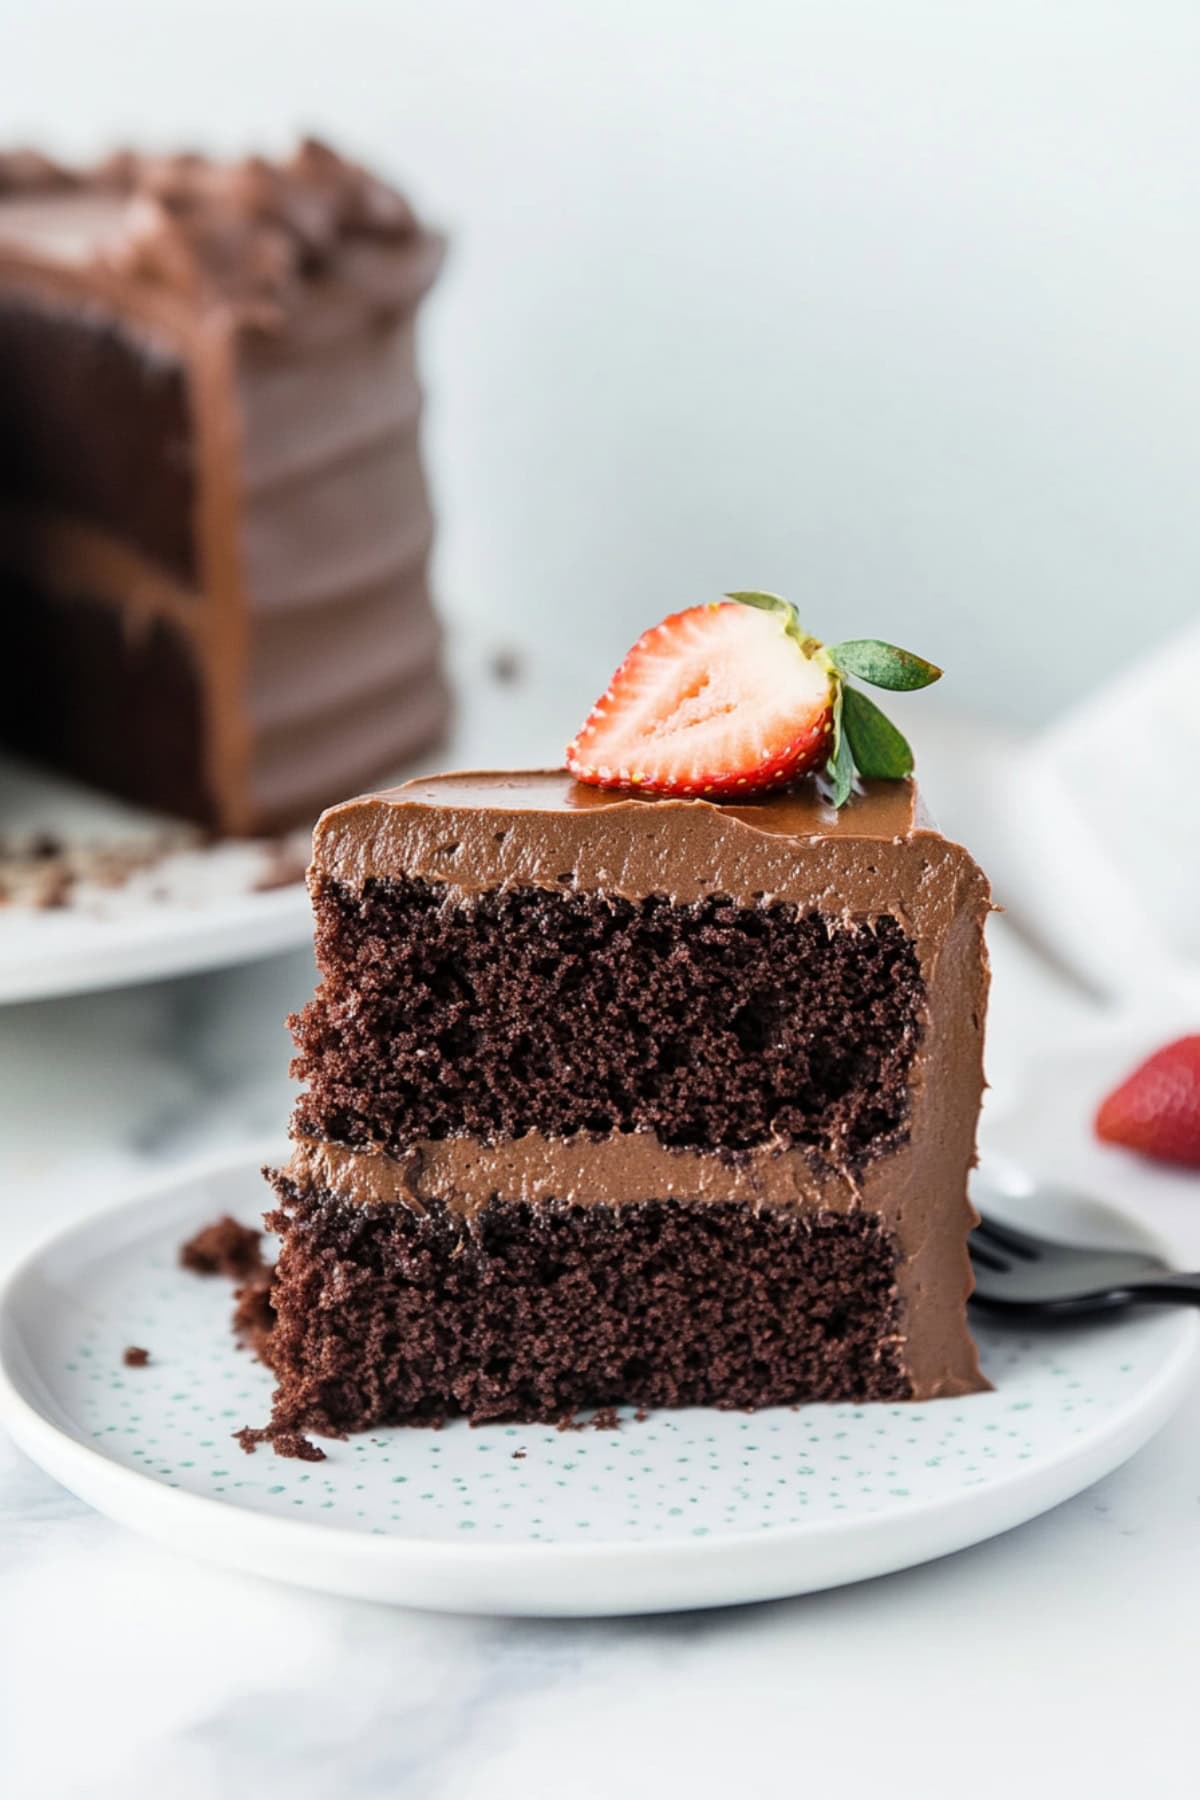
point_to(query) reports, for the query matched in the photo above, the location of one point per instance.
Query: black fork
(1023, 1276)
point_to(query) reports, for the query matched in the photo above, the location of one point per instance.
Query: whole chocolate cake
(626, 1099)
(214, 526)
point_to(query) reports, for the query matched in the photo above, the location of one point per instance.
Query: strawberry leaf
(877, 747)
(835, 741)
(883, 665)
(839, 769)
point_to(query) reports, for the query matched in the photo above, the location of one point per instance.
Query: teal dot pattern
(670, 1476)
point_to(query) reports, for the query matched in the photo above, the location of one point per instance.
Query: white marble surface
(1060, 1658)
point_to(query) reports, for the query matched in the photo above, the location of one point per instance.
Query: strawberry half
(1156, 1110)
(717, 700)
(734, 698)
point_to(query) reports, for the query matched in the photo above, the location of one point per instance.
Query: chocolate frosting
(878, 855)
(287, 295)
(481, 831)
(247, 234)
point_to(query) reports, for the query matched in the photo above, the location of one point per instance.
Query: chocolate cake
(616, 1099)
(214, 525)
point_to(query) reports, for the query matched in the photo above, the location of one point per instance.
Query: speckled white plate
(189, 908)
(680, 1510)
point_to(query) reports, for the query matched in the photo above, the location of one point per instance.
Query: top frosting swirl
(248, 233)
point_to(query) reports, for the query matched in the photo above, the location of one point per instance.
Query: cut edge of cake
(278, 298)
(456, 1210)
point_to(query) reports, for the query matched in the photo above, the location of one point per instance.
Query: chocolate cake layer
(95, 426)
(711, 1025)
(242, 337)
(118, 699)
(385, 1316)
(829, 965)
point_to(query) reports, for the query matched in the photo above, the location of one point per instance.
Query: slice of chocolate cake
(214, 525)
(617, 1099)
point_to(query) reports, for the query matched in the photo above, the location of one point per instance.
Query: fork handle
(1182, 1289)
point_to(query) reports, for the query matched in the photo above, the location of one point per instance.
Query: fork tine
(984, 1256)
(1007, 1238)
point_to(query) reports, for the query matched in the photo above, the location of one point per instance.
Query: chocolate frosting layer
(541, 828)
(908, 1196)
(879, 855)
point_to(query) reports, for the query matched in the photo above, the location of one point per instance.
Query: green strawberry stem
(865, 743)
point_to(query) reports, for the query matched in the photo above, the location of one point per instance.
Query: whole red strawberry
(733, 698)
(1156, 1110)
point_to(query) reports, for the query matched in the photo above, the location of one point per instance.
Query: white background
(890, 306)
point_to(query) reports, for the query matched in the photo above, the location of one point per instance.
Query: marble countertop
(1058, 1658)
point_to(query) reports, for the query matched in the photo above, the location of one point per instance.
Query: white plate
(45, 955)
(189, 908)
(201, 909)
(684, 1509)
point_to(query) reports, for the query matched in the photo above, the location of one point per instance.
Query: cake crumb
(224, 1248)
(253, 1314)
(45, 872)
(282, 1441)
(135, 1357)
(505, 667)
(607, 1419)
(54, 890)
(285, 865)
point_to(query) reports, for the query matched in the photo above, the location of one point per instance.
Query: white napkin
(1090, 829)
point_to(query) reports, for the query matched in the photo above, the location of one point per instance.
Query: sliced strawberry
(732, 698)
(1156, 1110)
(719, 700)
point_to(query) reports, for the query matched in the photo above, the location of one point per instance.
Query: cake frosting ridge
(224, 586)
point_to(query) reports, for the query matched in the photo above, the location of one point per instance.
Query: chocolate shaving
(45, 872)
